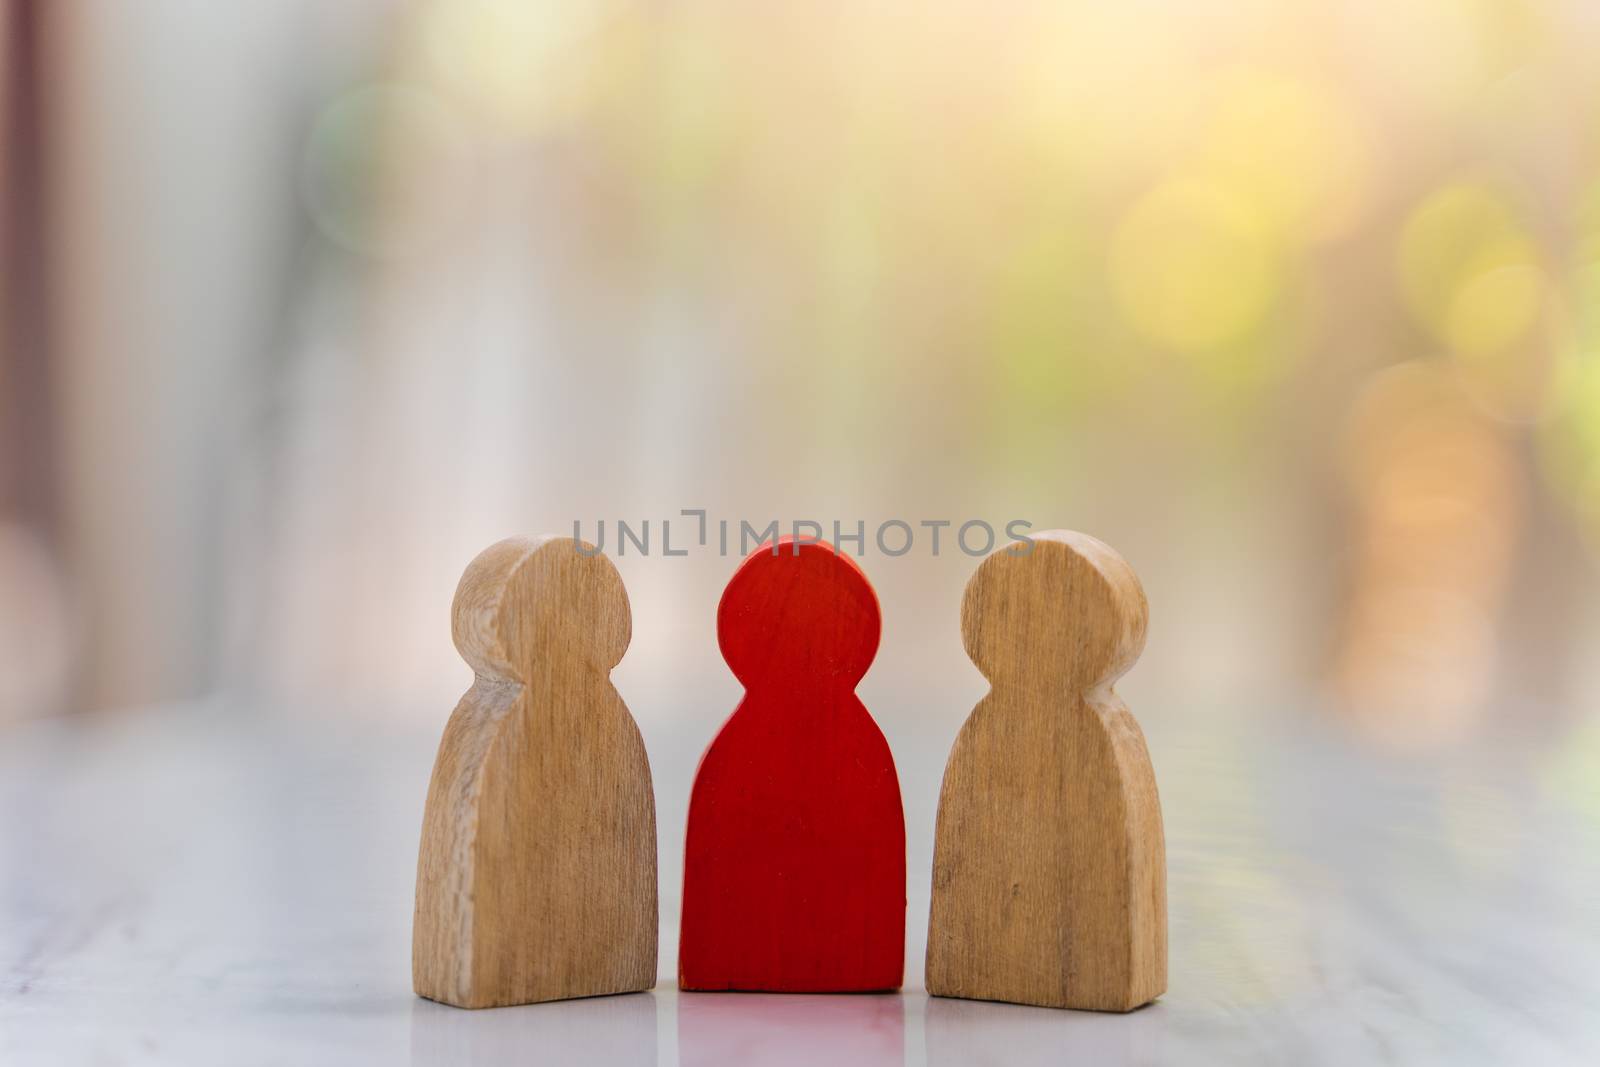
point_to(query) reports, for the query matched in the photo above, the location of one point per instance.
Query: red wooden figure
(795, 867)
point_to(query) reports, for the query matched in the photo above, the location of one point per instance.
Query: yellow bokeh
(1569, 445)
(1470, 271)
(523, 65)
(1093, 84)
(1294, 149)
(1494, 309)
(1194, 267)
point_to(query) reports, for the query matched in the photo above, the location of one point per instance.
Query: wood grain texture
(537, 874)
(795, 859)
(1049, 872)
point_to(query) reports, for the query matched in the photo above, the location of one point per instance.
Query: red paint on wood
(795, 865)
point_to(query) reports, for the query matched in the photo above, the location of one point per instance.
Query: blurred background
(1295, 304)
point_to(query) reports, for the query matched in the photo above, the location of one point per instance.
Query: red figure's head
(795, 612)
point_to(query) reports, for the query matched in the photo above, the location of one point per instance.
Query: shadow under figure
(1049, 870)
(537, 874)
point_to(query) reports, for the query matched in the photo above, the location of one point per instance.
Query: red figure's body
(795, 867)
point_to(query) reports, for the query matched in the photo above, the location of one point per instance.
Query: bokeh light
(1310, 288)
(1195, 268)
(400, 143)
(1293, 150)
(1469, 269)
(1438, 504)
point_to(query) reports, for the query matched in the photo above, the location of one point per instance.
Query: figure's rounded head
(798, 610)
(524, 598)
(1068, 612)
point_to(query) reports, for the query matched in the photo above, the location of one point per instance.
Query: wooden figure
(537, 875)
(794, 868)
(1049, 870)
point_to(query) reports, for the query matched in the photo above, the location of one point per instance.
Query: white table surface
(213, 886)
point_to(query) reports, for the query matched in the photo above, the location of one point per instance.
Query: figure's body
(794, 868)
(1049, 866)
(537, 875)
